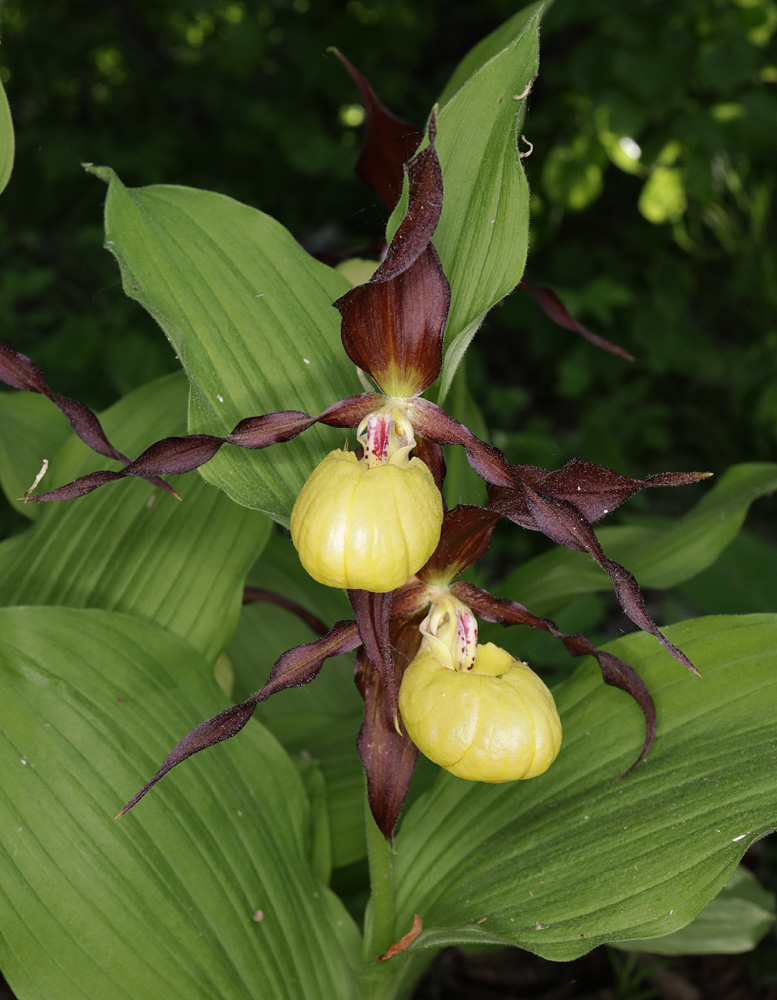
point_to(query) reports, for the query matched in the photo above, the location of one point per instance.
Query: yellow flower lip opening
(366, 527)
(497, 722)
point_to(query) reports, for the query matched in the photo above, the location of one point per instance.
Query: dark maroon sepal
(388, 756)
(372, 616)
(393, 324)
(351, 411)
(78, 488)
(409, 600)
(175, 455)
(19, 372)
(178, 455)
(269, 429)
(294, 668)
(465, 536)
(593, 489)
(562, 522)
(554, 308)
(431, 454)
(615, 671)
(389, 143)
(434, 423)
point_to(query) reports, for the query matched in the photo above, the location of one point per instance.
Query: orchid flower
(373, 521)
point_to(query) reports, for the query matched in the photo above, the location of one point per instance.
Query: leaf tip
(104, 174)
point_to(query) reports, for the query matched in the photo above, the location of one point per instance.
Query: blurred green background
(652, 182)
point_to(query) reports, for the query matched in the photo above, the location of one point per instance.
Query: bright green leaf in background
(663, 197)
(6, 139)
(129, 546)
(734, 922)
(203, 892)
(250, 316)
(575, 858)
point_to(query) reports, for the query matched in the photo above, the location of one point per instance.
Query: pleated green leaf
(6, 140)
(31, 430)
(129, 546)
(249, 314)
(483, 233)
(321, 720)
(660, 556)
(734, 922)
(564, 862)
(203, 891)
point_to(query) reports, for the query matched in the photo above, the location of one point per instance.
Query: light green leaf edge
(250, 316)
(658, 557)
(130, 547)
(482, 236)
(7, 142)
(734, 922)
(488, 47)
(576, 858)
(203, 892)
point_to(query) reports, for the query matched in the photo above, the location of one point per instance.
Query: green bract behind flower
(497, 722)
(366, 528)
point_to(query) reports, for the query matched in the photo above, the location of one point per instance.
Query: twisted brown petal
(19, 372)
(389, 143)
(553, 307)
(296, 667)
(615, 671)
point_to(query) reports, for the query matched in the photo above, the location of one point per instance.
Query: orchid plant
(479, 856)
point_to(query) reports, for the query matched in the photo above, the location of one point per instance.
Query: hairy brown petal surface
(465, 536)
(593, 489)
(488, 462)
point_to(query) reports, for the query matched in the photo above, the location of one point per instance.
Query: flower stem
(379, 921)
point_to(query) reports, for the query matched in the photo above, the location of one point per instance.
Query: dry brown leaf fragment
(404, 942)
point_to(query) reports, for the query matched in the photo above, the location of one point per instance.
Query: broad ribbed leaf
(129, 547)
(31, 430)
(321, 720)
(250, 316)
(559, 864)
(658, 557)
(482, 236)
(204, 891)
(734, 922)
(6, 140)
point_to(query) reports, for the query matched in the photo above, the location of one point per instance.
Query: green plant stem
(379, 921)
